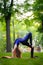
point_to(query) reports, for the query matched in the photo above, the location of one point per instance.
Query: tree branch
(4, 5)
(11, 3)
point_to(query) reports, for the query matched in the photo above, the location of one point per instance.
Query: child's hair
(18, 53)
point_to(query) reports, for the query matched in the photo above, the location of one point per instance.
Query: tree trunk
(13, 31)
(8, 42)
(42, 26)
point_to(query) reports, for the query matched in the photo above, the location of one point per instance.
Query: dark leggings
(25, 42)
(32, 49)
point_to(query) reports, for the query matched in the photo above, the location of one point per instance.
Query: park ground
(25, 60)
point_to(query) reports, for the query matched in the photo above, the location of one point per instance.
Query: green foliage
(25, 25)
(2, 37)
(2, 43)
(6, 7)
(27, 22)
(41, 41)
(40, 29)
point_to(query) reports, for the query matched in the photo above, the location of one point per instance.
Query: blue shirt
(18, 40)
(22, 40)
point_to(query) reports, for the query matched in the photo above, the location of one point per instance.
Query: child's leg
(32, 52)
(28, 36)
(31, 39)
(32, 49)
(6, 57)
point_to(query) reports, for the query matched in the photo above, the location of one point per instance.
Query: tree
(6, 11)
(6, 7)
(38, 15)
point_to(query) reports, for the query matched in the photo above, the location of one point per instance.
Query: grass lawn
(25, 60)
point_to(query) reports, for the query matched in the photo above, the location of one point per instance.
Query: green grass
(25, 60)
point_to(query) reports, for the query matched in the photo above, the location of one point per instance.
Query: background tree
(38, 15)
(6, 11)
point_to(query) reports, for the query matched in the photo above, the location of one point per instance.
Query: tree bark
(13, 30)
(42, 26)
(7, 15)
(8, 41)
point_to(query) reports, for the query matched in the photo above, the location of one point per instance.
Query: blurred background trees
(17, 18)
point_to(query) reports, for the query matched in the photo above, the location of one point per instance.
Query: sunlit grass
(25, 60)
